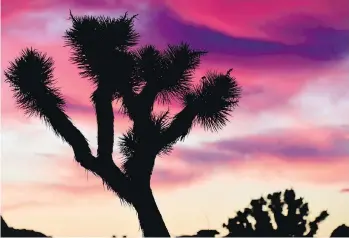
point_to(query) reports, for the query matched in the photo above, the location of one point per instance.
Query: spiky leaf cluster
(31, 79)
(214, 99)
(129, 143)
(167, 74)
(100, 50)
(180, 62)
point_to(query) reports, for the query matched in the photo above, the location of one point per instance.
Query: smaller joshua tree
(288, 213)
(104, 51)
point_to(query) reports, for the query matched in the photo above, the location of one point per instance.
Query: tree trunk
(149, 216)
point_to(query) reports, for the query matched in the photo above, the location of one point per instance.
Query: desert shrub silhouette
(103, 49)
(280, 214)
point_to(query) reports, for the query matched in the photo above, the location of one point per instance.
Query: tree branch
(110, 174)
(102, 101)
(140, 165)
(115, 180)
(180, 126)
(149, 70)
(63, 127)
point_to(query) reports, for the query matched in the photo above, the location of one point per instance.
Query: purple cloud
(321, 43)
(204, 157)
(284, 146)
(281, 144)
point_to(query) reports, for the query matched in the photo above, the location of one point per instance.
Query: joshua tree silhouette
(103, 50)
(258, 219)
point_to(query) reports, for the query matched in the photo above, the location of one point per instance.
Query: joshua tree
(103, 49)
(288, 213)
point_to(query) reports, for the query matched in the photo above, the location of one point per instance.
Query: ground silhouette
(7, 231)
(104, 52)
(203, 233)
(341, 231)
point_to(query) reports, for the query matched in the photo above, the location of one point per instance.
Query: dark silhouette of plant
(341, 231)
(7, 231)
(280, 214)
(103, 49)
(203, 233)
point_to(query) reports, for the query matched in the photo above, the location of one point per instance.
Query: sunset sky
(291, 129)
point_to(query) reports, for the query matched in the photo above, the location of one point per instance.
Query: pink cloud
(260, 76)
(267, 167)
(70, 181)
(320, 144)
(261, 90)
(288, 155)
(345, 190)
(275, 158)
(10, 8)
(77, 186)
(169, 179)
(305, 155)
(24, 204)
(13, 9)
